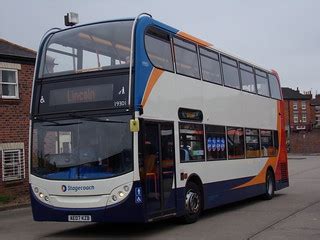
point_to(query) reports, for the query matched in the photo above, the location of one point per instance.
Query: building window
(295, 105)
(13, 167)
(235, 143)
(252, 143)
(303, 105)
(9, 83)
(295, 118)
(304, 118)
(216, 142)
(191, 142)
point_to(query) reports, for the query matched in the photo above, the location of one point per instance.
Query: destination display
(190, 114)
(83, 94)
(91, 93)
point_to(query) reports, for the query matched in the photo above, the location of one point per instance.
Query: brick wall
(305, 142)
(14, 126)
(290, 112)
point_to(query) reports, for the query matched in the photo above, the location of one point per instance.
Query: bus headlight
(120, 193)
(41, 194)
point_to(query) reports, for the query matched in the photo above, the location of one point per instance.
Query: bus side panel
(235, 195)
(214, 191)
(143, 66)
(282, 178)
(221, 193)
(126, 211)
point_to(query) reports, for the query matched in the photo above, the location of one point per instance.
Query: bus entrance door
(158, 168)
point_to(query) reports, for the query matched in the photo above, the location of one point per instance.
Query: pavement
(294, 213)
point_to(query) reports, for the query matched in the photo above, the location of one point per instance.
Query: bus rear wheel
(269, 186)
(193, 203)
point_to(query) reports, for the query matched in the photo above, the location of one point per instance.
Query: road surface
(294, 213)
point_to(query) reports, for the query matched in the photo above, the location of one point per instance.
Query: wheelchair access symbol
(42, 100)
(138, 194)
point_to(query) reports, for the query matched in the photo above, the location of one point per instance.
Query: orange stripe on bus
(154, 76)
(194, 39)
(272, 161)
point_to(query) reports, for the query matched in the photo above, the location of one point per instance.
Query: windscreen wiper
(92, 118)
(54, 123)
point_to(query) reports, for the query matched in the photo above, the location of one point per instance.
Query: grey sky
(278, 34)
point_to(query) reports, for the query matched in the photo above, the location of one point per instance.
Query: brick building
(16, 74)
(315, 106)
(298, 112)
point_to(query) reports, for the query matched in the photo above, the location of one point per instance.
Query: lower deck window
(267, 148)
(191, 142)
(235, 142)
(275, 142)
(216, 142)
(252, 143)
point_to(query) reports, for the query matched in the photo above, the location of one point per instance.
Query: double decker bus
(135, 121)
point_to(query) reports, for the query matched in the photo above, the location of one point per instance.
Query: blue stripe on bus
(127, 211)
(215, 194)
(220, 193)
(142, 64)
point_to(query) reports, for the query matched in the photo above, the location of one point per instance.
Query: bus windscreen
(87, 48)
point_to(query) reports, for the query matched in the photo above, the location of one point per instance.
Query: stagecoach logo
(64, 188)
(69, 188)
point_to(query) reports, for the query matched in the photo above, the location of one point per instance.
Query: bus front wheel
(193, 203)
(269, 186)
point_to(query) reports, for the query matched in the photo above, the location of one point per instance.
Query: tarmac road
(293, 214)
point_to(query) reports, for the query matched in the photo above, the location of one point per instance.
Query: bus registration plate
(79, 218)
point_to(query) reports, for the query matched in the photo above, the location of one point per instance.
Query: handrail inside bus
(131, 52)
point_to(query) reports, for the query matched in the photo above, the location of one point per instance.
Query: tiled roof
(10, 49)
(315, 102)
(290, 94)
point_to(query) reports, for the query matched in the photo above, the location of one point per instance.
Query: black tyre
(269, 186)
(193, 203)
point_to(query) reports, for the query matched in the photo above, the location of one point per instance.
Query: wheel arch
(197, 180)
(270, 169)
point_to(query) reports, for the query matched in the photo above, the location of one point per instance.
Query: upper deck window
(262, 83)
(87, 48)
(186, 58)
(230, 72)
(247, 77)
(158, 48)
(274, 87)
(210, 66)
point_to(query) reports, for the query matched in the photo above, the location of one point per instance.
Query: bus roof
(187, 36)
(209, 45)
